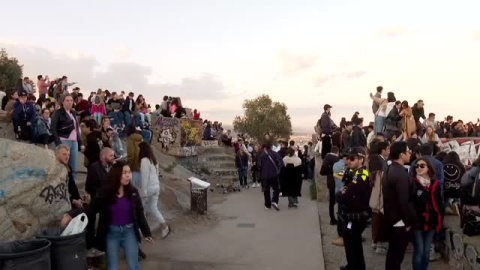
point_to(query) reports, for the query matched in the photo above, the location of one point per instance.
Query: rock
(6, 128)
(33, 190)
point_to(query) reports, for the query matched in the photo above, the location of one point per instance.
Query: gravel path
(335, 256)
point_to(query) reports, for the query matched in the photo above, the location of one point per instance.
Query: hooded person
(291, 178)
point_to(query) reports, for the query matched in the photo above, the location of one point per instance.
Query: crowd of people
(394, 175)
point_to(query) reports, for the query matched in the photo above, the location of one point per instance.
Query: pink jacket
(98, 108)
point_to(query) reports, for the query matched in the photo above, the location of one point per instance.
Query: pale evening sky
(216, 53)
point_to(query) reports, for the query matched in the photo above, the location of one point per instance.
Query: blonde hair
(62, 147)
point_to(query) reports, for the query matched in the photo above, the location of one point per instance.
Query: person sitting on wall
(207, 133)
(227, 138)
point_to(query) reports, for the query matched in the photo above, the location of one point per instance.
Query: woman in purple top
(121, 218)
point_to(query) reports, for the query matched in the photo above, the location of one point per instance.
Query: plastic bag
(76, 226)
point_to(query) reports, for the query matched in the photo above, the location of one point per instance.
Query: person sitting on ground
(291, 178)
(63, 156)
(43, 129)
(98, 110)
(115, 106)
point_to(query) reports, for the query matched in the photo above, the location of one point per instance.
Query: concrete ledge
(212, 143)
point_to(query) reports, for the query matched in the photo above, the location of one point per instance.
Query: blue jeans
(136, 179)
(117, 118)
(135, 120)
(242, 176)
(98, 118)
(379, 122)
(310, 169)
(73, 145)
(422, 241)
(122, 237)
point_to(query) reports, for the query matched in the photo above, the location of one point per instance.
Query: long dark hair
(146, 152)
(114, 178)
(452, 158)
(431, 170)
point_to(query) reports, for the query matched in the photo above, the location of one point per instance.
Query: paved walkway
(246, 237)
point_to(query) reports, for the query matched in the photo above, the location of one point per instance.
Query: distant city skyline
(216, 53)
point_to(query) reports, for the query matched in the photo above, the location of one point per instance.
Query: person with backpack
(270, 164)
(428, 204)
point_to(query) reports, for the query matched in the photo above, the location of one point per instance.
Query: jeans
(117, 118)
(422, 241)
(352, 237)
(150, 204)
(136, 178)
(273, 184)
(379, 122)
(73, 146)
(242, 176)
(122, 237)
(398, 242)
(98, 118)
(129, 120)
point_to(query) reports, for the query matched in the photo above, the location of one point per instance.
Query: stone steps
(218, 158)
(223, 172)
(221, 164)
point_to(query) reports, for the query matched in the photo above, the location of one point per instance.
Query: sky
(214, 54)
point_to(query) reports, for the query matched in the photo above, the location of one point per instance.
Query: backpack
(51, 89)
(470, 187)
(318, 127)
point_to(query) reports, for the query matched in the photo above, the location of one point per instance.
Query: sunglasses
(422, 166)
(352, 158)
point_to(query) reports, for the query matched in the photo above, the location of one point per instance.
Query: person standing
(241, 162)
(327, 170)
(292, 178)
(429, 211)
(354, 196)
(358, 136)
(398, 197)
(339, 170)
(122, 218)
(418, 112)
(42, 85)
(65, 129)
(150, 187)
(270, 164)
(375, 105)
(327, 130)
(378, 166)
(133, 140)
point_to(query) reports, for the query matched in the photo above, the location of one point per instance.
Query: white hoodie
(149, 176)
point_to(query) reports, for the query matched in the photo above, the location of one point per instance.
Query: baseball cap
(23, 93)
(327, 106)
(356, 152)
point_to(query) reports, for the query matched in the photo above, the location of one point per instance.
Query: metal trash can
(23, 255)
(198, 199)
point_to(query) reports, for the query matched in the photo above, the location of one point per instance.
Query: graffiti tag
(210, 143)
(189, 151)
(166, 122)
(25, 174)
(167, 137)
(54, 194)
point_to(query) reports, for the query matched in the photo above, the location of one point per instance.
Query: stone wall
(177, 137)
(33, 190)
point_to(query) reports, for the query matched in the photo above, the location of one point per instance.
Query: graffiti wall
(177, 137)
(466, 148)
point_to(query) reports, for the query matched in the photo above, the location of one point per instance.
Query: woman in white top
(431, 137)
(150, 186)
(385, 106)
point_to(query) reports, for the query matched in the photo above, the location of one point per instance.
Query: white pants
(150, 204)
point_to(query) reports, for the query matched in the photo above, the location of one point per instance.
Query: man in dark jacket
(23, 117)
(270, 164)
(358, 137)
(398, 205)
(63, 155)
(327, 170)
(354, 197)
(327, 126)
(129, 109)
(96, 177)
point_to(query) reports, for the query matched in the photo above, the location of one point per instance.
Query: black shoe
(345, 267)
(141, 254)
(333, 222)
(275, 205)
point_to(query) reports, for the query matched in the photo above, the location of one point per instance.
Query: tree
(264, 120)
(10, 71)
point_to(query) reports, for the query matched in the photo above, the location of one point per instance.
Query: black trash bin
(22, 255)
(67, 252)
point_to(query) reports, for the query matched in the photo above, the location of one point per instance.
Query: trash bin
(22, 255)
(198, 195)
(67, 252)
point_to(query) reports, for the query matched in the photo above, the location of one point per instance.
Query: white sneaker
(276, 206)
(165, 232)
(381, 250)
(254, 185)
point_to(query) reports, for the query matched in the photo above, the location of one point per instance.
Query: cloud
(123, 52)
(476, 35)
(392, 31)
(128, 76)
(324, 79)
(293, 63)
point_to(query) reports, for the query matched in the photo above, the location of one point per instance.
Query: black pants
(273, 184)
(92, 217)
(326, 145)
(331, 195)
(352, 239)
(45, 139)
(398, 242)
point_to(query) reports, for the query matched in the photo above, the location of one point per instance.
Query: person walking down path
(241, 162)
(291, 178)
(122, 218)
(270, 164)
(150, 187)
(429, 212)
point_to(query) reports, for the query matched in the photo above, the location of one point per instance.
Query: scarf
(424, 181)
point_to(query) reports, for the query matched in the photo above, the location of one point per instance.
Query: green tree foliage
(264, 120)
(10, 71)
